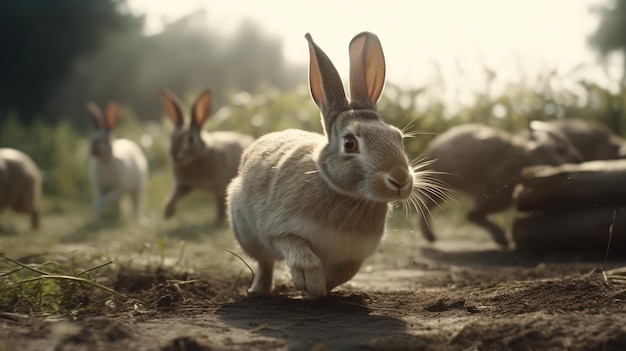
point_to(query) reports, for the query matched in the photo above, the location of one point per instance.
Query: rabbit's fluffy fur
(485, 164)
(117, 167)
(20, 184)
(201, 160)
(320, 202)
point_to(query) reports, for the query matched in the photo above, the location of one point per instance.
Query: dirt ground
(453, 295)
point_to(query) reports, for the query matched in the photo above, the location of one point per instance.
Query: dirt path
(452, 296)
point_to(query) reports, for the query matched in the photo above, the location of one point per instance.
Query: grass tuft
(51, 288)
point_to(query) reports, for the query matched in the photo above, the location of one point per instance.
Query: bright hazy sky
(503, 34)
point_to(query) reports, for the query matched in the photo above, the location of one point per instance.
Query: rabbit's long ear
(112, 115)
(201, 109)
(325, 84)
(172, 107)
(367, 69)
(96, 114)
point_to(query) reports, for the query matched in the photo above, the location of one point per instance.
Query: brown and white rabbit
(201, 160)
(118, 166)
(20, 184)
(320, 202)
(485, 164)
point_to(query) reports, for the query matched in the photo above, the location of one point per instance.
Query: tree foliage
(62, 53)
(185, 58)
(42, 39)
(611, 32)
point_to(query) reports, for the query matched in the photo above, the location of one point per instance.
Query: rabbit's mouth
(392, 186)
(101, 153)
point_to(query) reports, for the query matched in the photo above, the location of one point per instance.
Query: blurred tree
(611, 32)
(186, 57)
(611, 36)
(41, 41)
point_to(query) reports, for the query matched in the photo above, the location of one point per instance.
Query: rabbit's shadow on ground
(341, 321)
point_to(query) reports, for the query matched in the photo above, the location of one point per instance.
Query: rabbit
(117, 166)
(593, 140)
(201, 160)
(20, 184)
(485, 164)
(320, 201)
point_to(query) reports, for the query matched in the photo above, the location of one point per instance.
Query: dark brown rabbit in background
(485, 164)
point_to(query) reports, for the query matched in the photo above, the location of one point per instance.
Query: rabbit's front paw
(308, 276)
(262, 284)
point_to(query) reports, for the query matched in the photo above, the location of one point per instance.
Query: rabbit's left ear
(367, 69)
(96, 114)
(325, 84)
(111, 115)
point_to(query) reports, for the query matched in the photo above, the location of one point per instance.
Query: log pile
(571, 206)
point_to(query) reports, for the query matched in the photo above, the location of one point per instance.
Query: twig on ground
(244, 262)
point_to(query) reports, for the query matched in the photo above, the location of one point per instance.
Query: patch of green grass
(52, 287)
(51, 271)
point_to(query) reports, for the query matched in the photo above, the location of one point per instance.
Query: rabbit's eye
(350, 144)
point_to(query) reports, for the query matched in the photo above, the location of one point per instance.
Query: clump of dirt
(179, 292)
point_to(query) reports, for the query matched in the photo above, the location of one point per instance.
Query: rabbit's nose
(398, 178)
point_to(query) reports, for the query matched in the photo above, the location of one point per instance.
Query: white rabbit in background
(117, 167)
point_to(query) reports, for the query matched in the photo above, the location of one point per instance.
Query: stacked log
(572, 206)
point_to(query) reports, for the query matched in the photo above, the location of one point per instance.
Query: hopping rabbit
(320, 202)
(201, 160)
(117, 167)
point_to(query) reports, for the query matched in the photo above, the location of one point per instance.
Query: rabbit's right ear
(96, 114)
(201, 109)
(112, 115)
(325, 84)
(172, 107)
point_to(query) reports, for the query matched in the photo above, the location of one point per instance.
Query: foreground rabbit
(20, 184)
(485, 164)
(118, 166)
(201, 160)
(320, 202)
(593, 140)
